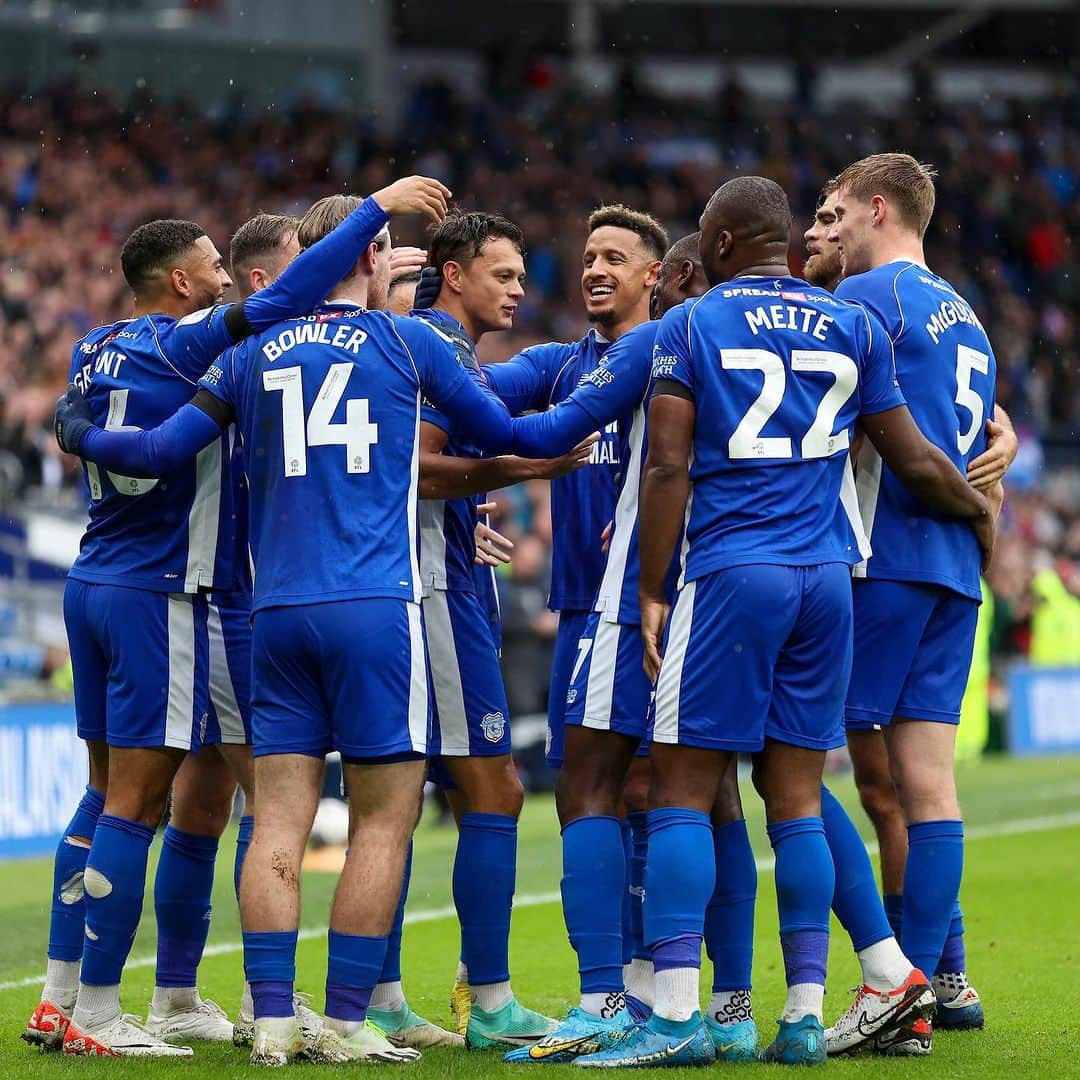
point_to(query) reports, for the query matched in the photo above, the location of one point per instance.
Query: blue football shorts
(139, 661)
(913, 647)
(470, 716)
(228, 626)
(347, 675)
(609, 690)
(571, 626)
(757, 652)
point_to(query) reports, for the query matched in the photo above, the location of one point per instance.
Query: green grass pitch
(1021, 889)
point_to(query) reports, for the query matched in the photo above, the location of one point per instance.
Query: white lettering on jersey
(314, 333)
(606, 451)
(789, 317)
(948, 314)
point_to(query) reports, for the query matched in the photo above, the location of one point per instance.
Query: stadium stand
(1008, 203)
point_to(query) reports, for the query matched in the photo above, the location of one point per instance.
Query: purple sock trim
(805, 956)
(678, 952)
(953, 956)
(272, 998)
(347, 1002)
(178, 962)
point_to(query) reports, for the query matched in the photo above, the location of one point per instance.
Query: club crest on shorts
(493, 726)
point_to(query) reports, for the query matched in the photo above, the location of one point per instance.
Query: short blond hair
(324, 217)
(908, 184)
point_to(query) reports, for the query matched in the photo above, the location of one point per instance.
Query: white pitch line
(1044, 823)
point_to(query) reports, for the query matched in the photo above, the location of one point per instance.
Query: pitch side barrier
(1044, 710)
(43, 771)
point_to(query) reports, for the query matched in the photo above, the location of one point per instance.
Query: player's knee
(208, 817)
(510, 793)
(756, 775)
(880, 800)
(98, 753)
(137, 804)
(636, 791)
(589, 791)
(728, 805)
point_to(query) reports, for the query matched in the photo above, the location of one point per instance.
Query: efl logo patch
(493, 726)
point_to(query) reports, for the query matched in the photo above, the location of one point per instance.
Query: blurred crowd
(79, 169)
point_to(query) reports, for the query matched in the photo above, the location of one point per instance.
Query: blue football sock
(182, 887)
(931, 885)
(243, 842)
(804, 890)
(270, 969)
(729, 918)
(680, 875)
(67, 921)
(115, 880)
(485, 869)
(894, 911)
(351, 973)
(953, 955)
(627, 896)
(391, 968)
(856, 899)
(639, 831)
(593, 886)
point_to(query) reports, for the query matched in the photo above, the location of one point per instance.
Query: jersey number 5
(968, 361)
(124, 485)
(819, 441)
(358, 435)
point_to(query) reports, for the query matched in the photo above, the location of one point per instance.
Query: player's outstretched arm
(665, 487)
(141, 453)
(1002, 444)
(194, 342)
(444, 476)
(612, 391)
(527, 379)
(928, 473)
(304, 283)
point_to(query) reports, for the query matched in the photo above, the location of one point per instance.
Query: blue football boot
(655, 1044)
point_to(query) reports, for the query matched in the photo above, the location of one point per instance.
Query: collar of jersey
(438, 315)
(912, 262)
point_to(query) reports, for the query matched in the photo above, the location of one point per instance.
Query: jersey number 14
(358, 435)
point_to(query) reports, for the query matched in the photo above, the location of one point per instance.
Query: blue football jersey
(583, 502)
(779, 371)
(448, 526)
(616, 389)
(176, 533)
(239, 595)
(171, 534)
(628, 360)
(947, 372)
(329, 409)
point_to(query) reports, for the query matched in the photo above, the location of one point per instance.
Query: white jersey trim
(419, 706)
(446, 676)
(609, 596)
(867, 488)
(669, 683)
(180, 703)
(222, 691)
(204, 519)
